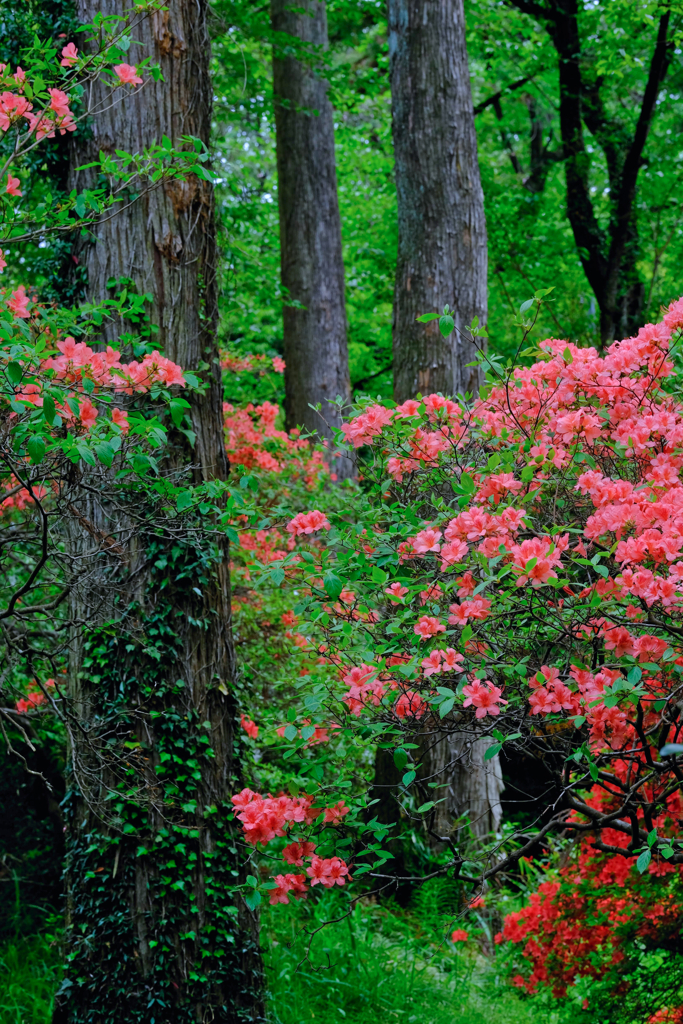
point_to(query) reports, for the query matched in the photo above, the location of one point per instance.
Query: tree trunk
(151, 933)
(442, 257)
(312, 268)
(474, 786)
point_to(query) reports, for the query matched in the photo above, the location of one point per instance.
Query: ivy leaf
(184, 500)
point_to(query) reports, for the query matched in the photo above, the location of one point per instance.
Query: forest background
(531, 247)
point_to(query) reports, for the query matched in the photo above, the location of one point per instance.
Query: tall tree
(441, 226)
(312, 268)
(609, 254)
(151, 932)
(442, 260)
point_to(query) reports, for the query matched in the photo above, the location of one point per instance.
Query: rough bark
(474, 785)
(153, 670)
(312, 268)
(442, 255)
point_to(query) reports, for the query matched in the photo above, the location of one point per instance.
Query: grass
(29, 976)
(382, 965)
(379, 965)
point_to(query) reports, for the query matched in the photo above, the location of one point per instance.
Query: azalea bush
(510, 570)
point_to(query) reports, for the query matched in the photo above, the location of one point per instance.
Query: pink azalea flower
(251, 728)
(69, 55)
(428, 625)
(396, 592)
(18, 303)
(127, 74)
(308, 522)
(12, 187)
(88, 414)
(120, 418)
(484, 696)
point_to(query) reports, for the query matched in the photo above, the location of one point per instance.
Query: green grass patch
(30, 970)
(381, 965)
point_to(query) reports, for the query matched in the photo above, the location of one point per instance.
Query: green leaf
(526, 305)
(635, 675)
(643, 861)
(425, 807)
(567, 356)
(446, 707)
(307, 732)
(408, 777)
(49, 409)
(36, 448)
(253, 899)
(446, 325)
(105, 453)
(291, 733)
(184, 500)
(426, 317)
(491, 752)
(178, 407)
(333, 586)
(14, 372)
(378, 575)
(400, 758)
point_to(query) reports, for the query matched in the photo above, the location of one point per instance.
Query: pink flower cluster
(265, 818)
(484, 696)
(308, 522)
(442, 661)
(364, 690)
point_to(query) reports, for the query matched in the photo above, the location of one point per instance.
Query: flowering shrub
(513, 570)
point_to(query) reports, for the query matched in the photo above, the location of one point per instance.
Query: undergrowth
(30, 970)
(382, 964)
(378, 965)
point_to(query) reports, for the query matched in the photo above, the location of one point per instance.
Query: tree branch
(634, 158)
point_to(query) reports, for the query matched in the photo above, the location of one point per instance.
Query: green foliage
(130, 667)
(29, 975)
(380, 964)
